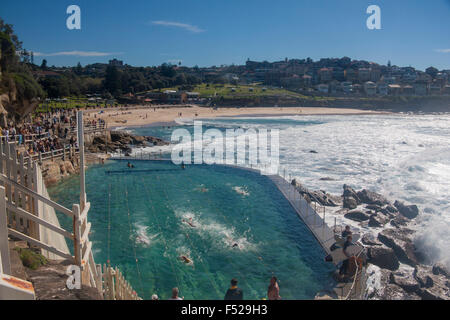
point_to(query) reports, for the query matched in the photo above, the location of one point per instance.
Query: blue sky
(212, 32)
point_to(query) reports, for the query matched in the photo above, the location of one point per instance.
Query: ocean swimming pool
(138, 214)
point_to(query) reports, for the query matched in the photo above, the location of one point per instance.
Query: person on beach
(234, 293)
(273, 293)
(175, 294)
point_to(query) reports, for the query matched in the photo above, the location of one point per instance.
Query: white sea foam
(405, 157)
(241, 190)
(402, 157)
(222, 236)
(143, 237)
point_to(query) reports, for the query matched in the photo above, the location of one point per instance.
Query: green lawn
(240, 91)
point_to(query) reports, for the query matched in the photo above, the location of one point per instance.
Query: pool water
(242, 228)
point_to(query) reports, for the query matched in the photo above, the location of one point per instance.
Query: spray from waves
(384, 153)
(424, 179)
(142, 236)
(242, 191)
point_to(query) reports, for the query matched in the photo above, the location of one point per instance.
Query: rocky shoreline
(396, 269)
(53, 171)
(121, 140)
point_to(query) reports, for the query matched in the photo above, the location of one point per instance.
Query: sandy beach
(141, 116)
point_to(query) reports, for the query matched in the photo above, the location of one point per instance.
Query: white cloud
(176, 61)
(185, 26)
(76, 53)
(443, 50)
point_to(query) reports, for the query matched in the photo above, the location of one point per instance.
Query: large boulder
(383, 257)
(349, 192)
(440, 269)
(370, 197)
(405, 280)
(374, 207)
(157, 141)
(394, 292)
(399, 221)
(400, 241)
(350, 203)
(378, 220)
(324, 198)
(369, 239)
(409, 211)
(424, 275)
(432, 286)
(357, 215)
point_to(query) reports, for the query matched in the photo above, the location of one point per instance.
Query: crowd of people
(47, 131)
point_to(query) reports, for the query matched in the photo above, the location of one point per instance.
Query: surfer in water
(131, 166)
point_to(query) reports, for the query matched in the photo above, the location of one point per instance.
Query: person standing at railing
(345, 263)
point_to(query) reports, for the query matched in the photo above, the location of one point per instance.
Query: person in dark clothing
(346, 232)
(344, 267)
(234, 293)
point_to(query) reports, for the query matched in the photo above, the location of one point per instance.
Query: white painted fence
(27, 213)
(116, 287)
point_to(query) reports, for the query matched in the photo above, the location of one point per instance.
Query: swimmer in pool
(190, 222)
(185, 259)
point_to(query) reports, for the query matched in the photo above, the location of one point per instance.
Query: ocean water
(139, 223)
(404, 157)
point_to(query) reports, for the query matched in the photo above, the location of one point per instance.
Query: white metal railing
(27, 138)
(67, 151)
(22, 206)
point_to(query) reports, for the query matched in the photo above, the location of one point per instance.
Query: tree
(79, 69)
(167, 70)
(44, 65)
(112, 81)
(432, 71)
